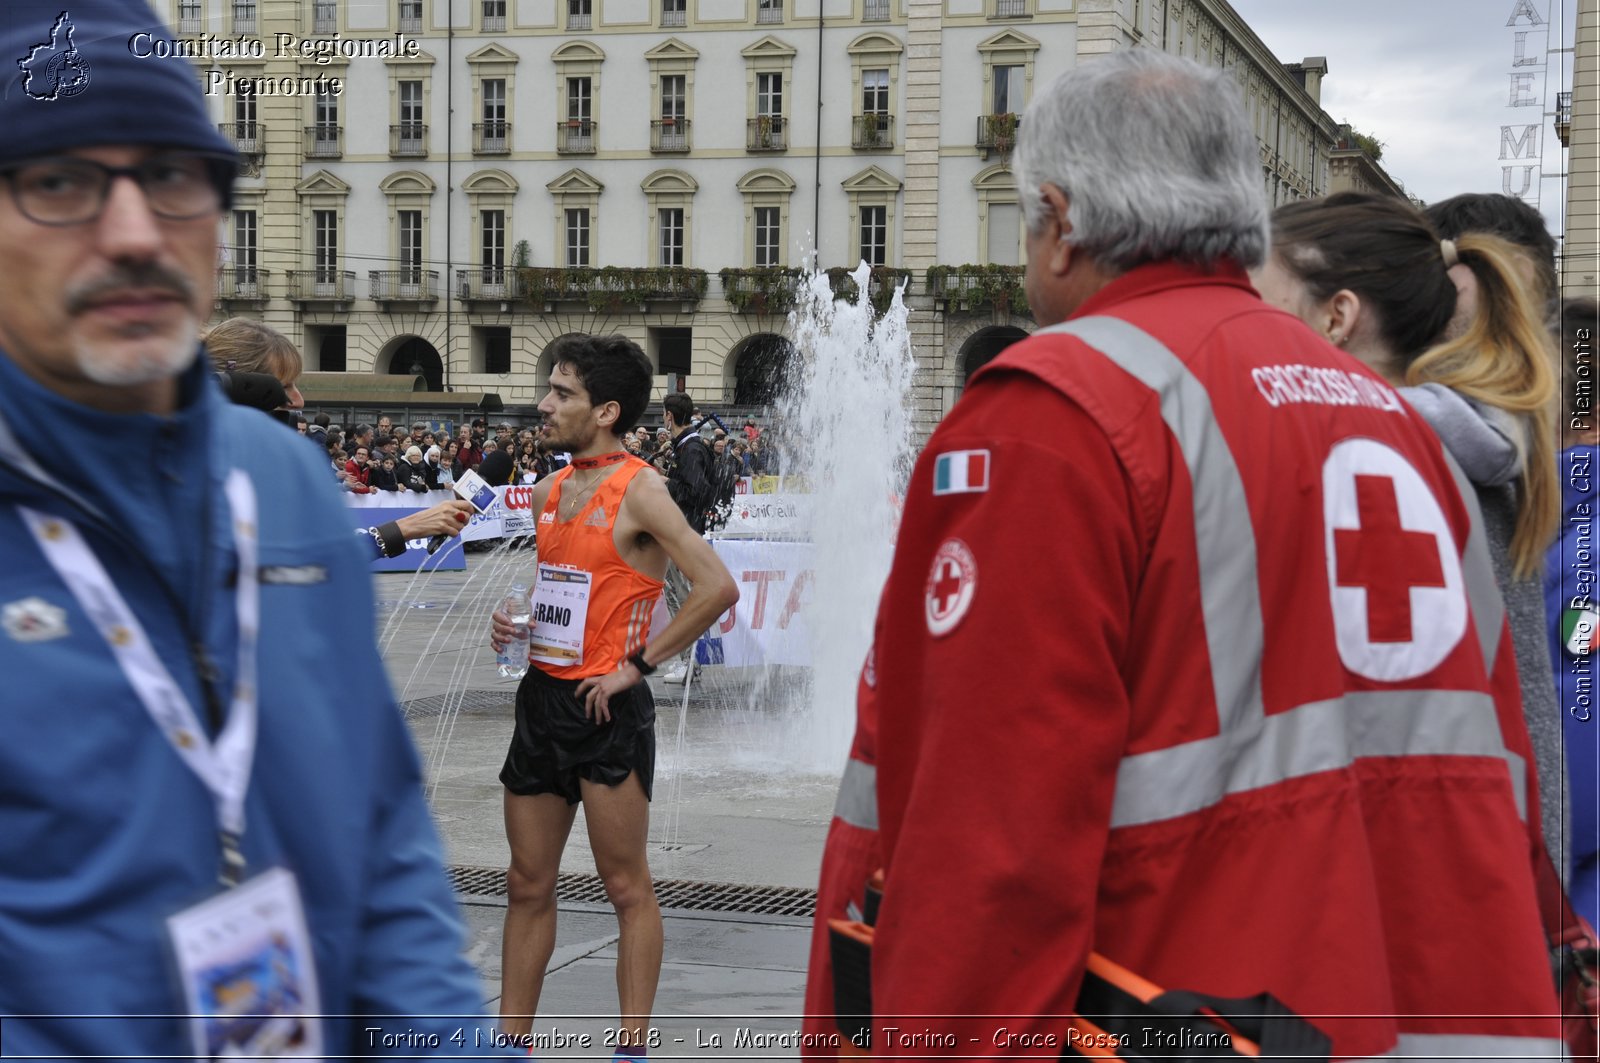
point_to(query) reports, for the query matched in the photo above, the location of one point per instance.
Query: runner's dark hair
(611, 369)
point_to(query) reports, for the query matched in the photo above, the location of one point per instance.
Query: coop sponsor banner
(766, 625)
(513, 515)
(760, 514)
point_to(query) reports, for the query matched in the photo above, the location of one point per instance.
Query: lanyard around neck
(224, 764)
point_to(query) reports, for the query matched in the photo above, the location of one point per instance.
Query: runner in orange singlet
(585, 728)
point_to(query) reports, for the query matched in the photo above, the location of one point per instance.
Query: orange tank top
(621, 598)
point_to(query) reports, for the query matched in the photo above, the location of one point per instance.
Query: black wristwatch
(638, 661)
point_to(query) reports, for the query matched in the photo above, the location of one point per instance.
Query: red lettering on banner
(761, 577)
(1386, 560)
(730, 618)
(792, 606)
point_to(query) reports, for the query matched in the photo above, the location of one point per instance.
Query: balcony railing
(669, 134)
(1008, 9)
(244, 19)
(872, 132)
(324, 141)
(408, 140)
(403, 285)
(494, 23)
(248, 138)
(973, 288)
(762, 290)
(576, 136)
(769, 10)
(997, 133)
(579, 20)
(322, 284)
(241, 284)
(612, 289)
(491, 138)
(487, 283)
(766, 132)
(674, 17)
(875, 11)
(325, 18)
(1563, 116)
(191, 21)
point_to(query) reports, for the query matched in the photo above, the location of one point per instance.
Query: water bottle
(512, 660)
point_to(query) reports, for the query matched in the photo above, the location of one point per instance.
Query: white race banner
(768, 515)
(767, 625)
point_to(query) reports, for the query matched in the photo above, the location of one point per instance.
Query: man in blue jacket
(212, 835)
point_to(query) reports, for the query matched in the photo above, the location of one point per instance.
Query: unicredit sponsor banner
(756, 514)
(766, 625)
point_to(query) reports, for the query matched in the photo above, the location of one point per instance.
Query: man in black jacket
(690, 483)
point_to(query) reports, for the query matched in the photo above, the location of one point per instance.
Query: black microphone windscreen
(261, 391)
(496, 468)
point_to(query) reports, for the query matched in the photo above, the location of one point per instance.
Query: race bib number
(560, 611)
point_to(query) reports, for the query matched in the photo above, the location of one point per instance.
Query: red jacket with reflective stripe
(1204, 694)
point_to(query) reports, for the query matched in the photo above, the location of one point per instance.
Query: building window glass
(494, 16)
(769, 95)
(580, 14)
(244, 243)
(411, 109)
(492, 235)
(671, 221)
(578, 236)
(769, 10)
(875, 235)
(1007, 90)
(410, 246)
(244, 16)
(325, 248)
(191, 18)
(674, 12)
(875, 91)
(578, 100)
(768, 223)
(494, 109)
(410, 16)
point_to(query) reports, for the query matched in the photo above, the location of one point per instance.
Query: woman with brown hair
(1372, 275)
(243, 345)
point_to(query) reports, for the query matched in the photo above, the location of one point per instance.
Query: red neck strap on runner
(605, 459)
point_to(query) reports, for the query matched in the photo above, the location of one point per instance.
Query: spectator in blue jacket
(207, 792)
(1571, 599)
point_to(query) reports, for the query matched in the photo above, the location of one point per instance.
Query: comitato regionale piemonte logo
(55, 69)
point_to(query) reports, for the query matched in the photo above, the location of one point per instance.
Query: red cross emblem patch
(1394, 573)
(952, 581)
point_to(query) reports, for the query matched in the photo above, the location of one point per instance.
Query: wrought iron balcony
(761, 290)
(491, 138)
(191, 21)
(872, 132)
(1563, 116)
(322, 284)
(411, 17)
(494, 23)
(766, 132)
(671, 17)
(324, 141)
(612, 289)
(248, 138)
(487, 284)
(579, 20)
(244, 20)
(1008, 9)
(576, 136)
(408, 140)
(241, 285)
(403, 285)
(875, 11)
(324, 18)
(769, 10)
(669, 134)
(997, 133)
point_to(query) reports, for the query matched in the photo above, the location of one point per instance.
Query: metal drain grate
(466, 701)
(670, 893)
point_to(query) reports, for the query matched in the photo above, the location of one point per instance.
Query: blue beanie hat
(69, 78)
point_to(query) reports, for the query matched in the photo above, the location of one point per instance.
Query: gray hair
(1157, 159)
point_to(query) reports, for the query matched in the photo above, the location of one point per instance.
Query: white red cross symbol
(952, 581)
(1394, 571)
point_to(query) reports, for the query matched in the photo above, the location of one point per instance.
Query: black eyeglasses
(67, 190)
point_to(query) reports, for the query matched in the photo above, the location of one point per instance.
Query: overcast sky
(1431, 79)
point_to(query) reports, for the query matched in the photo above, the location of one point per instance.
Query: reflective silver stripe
(858, 795)
(1448, 1048)
(1488, 608)
(1320, 736)
(1252, 749)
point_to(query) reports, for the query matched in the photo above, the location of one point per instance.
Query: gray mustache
(143, 276)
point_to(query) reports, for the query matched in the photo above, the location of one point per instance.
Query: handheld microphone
(260, 391)
(478, 488)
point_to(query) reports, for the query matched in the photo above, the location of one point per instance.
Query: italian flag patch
(961, 472)
(1578, 628)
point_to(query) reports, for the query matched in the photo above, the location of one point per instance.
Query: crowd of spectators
(367, 458)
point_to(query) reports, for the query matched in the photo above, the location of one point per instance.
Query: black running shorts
(555, 744)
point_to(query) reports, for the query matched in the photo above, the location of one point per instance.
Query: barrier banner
(368, 516)
(766, 625)
(759, 514)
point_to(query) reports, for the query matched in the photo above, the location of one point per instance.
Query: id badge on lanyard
(244, 955)
(560, 611)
